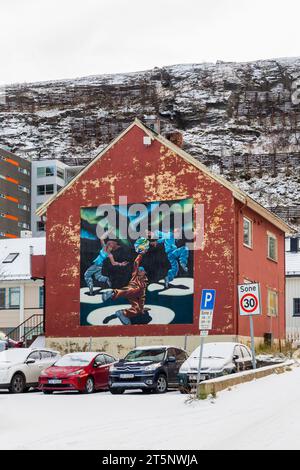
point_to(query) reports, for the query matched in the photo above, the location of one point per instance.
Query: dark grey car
(152, 368)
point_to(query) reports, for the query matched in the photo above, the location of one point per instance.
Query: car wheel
(161, 384)
(117, 391)
(17, 384)
(89, 386)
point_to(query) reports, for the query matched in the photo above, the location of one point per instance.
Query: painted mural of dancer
(95, 270)
(176, 256)
(134, 292)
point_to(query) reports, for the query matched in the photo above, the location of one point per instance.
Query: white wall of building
(56, 180)
(36, 181)
(30, 305)
(292, 284)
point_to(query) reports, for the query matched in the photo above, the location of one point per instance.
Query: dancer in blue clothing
(175, 255)
(95, 270)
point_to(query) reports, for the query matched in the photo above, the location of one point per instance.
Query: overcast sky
(42, 40)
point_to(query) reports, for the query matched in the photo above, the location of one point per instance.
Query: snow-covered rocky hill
(241, 119)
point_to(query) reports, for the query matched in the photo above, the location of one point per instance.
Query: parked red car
(81, 371)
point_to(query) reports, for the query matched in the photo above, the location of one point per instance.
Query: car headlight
(77, 372)
(215, 371)
(152, 367)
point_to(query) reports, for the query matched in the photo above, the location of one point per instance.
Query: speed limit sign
(249, 299)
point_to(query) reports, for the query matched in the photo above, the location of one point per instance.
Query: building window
(43, 189)
(41, 297)
(14, 297)
(272, 247)
(60, 173)
(272, 303)
(24, 189)
(2, 298)
(247, 238)
(24, 225)
(24, 171)
(10, 258)
(40, 226)
(45, 171)
(296, 307)
(24, 207)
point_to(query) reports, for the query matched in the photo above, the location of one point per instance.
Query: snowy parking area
(263, 414)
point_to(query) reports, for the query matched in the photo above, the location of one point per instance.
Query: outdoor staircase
(28, 330)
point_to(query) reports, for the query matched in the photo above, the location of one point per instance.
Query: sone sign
(249, 299)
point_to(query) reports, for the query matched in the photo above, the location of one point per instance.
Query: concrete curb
(213, 386)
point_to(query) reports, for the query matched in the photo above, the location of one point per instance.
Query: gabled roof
(236, 192)
(20, 267)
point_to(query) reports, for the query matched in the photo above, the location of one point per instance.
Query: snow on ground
(262, 414)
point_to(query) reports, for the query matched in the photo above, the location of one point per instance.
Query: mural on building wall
(136, 264)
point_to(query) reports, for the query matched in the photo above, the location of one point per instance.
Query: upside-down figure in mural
(176, 256)
(95, 270)
(134, 292)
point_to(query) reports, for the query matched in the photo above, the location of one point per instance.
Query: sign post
(208, 298)
(249, 305)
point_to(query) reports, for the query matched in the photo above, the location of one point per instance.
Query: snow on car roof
(216, 349)
(86, 355)
(15, 354)
(20, 354)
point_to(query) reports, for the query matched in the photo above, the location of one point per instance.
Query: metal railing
(28, 329)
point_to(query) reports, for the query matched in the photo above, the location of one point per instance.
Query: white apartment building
(47, 178)
(21, 297)
(292, 269)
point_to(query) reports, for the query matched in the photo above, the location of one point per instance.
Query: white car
(218, 359)
(20, 368)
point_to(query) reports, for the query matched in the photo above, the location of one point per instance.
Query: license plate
(126, 376)
(194, 377)
(54, 381)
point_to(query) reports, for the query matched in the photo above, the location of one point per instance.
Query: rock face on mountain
(241, 119)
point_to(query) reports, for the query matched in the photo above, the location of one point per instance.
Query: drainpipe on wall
(238, 212)
(22, 310)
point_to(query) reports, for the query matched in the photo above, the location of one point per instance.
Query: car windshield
(138, 355)
(74, 360)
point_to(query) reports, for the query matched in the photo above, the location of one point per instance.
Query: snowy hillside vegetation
(241, 119)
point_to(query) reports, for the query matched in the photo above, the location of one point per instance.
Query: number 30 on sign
(249, 299)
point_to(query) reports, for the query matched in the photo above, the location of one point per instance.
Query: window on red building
(272, 303)
(272, 247)
(247, 225)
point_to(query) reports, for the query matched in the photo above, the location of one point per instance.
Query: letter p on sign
(208, 299)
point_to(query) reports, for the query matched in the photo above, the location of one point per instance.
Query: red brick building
(242, 242)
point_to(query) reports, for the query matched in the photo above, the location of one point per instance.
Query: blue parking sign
(208, 299)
